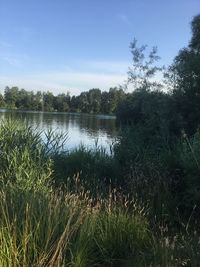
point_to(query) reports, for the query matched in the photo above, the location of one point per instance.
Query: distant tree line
(92, 101)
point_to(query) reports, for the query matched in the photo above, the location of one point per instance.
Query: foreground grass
(47, 227)
(63, 229)
(68, 230)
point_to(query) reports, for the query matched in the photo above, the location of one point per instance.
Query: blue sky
(76, 45)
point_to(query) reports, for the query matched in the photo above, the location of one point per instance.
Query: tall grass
(93, 170)
(63, 229)
(67, 230)
(24, 161)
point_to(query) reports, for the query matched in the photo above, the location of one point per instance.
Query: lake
(80, 128)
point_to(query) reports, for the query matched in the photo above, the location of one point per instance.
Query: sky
(76, 45)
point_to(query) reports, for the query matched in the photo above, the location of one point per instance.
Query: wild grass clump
(91, 169)
(68, 230)
(180, 248)
(24, 161)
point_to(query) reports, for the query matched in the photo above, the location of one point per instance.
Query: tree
(24, 100)
(111, 99)
(11, 96)
(105, 103)
(61, 103)
(151, 111)
(37, 101)
(143, 72)
(94, 97)
(139, 107)
(195, 40)
(2, 103)
(83, 102)
(48, 101)
(184, 75)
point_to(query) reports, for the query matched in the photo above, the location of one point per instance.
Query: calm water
(80, 128)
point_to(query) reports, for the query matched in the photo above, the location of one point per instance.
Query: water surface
(85, 129)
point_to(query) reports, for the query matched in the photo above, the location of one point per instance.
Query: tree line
(92, 101)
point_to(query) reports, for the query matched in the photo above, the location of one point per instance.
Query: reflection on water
(80, 128)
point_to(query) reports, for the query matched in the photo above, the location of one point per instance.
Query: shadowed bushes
(167, 175)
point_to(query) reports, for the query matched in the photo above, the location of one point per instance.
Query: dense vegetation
(161, 136)
(93, 101)
(138, 206)
(174, 108)
(70, 209)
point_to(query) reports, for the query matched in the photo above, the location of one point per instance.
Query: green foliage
(185, 79)
(10, 96)
(93, 101)
(2, 103)
(55, 230)
(150, 110)
(144, 69)
(93, 170)
(24, 162)
(166, 175)
(110, 100)
(62, 102)
(121, 236)
(151, 151)
(195, 40)
(48, 100)
(22, 99)
(189, 163)
(43, 227)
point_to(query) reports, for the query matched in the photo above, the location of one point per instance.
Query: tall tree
(2, 103)
(185, 78)
(11, 96)
(141, 77)
(142, 73)
(94, 96)
(61, 103)
(48, 101)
